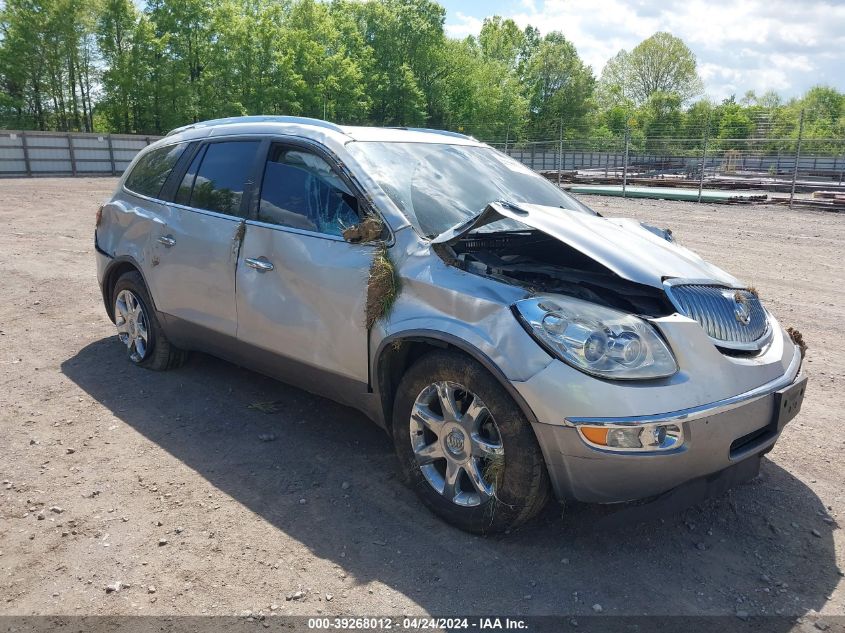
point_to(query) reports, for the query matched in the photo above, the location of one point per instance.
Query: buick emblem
(742, 309)
(455, 442)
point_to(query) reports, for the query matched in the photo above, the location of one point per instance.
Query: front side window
(439, 185)
(301, 191)
(152, 169)
(218, 176)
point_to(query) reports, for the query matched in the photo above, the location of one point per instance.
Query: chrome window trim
(306, 232)
(216, 214)
(754, 346)
(296, 139)
(705, 410)
(265, 225)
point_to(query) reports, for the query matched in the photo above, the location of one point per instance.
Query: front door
(301, 288)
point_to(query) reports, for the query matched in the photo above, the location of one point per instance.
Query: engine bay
(541, 263)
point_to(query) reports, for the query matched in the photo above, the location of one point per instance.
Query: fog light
(625, 437)
(655, 435)
(641, 437)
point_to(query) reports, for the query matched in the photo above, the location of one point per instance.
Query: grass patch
(494, 470)
(798, 339)
(265, 407)
(383, 286)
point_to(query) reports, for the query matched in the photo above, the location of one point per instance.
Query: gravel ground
(131, 492)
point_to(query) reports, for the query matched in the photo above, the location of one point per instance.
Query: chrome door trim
(307, 233)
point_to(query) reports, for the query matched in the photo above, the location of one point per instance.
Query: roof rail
(269, 118)
(433, 131)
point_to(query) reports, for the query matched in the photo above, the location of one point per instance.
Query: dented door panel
(309, 307)
(193, 271)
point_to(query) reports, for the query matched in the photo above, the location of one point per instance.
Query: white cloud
(741, 44)
(465, 25)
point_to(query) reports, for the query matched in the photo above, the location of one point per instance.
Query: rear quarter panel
(128, 226)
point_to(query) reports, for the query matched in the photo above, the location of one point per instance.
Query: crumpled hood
(622, 245)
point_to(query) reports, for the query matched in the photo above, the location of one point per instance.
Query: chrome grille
(732, 318)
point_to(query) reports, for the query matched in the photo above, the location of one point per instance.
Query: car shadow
(760, 548)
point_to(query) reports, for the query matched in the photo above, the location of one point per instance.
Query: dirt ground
(113, 474)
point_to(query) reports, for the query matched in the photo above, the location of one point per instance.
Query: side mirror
(369, 229)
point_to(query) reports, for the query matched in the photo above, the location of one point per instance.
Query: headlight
(597, 340)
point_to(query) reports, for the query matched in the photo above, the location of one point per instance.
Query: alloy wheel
(456, 443)
(132, 324)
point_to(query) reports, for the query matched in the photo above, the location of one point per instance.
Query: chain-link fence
(783, 165)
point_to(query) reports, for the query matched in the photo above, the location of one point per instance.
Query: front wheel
(466, 447)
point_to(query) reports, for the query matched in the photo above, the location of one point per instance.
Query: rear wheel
(466, 447)
(138, 327)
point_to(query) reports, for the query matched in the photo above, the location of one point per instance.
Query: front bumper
(717, 436)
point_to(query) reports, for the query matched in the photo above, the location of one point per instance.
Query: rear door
(195, 257)
(301, 288)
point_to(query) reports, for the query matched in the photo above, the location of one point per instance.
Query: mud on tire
(522, 487)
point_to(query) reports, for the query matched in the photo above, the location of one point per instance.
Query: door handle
(166, 240)
(261, 264)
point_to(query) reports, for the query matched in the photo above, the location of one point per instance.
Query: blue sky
(741, 45)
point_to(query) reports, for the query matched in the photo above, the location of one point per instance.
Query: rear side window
(217, 177)
(300, 190)
(152, 169)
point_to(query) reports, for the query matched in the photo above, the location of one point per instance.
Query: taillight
(99, 215)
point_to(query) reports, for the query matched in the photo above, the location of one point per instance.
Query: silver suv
(512, 342)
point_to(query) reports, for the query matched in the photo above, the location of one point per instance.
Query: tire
(511, 470)
(130, 297)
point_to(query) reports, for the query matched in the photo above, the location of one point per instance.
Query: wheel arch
(116, 268)
(397, 352)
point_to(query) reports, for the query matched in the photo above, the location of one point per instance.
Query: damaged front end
(616, 263)
(542, 264)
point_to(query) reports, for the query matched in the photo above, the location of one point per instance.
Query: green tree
(559, 88)
(482, 95)
(661, 63)
(116, 30)
(502, 41)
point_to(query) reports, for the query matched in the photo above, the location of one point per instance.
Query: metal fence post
(704, 156)
(71, 154)
(25, 148)
(797, 156)
(842, 169)
(111, 157)
(560, 152)
(507, 136)
(625, 164)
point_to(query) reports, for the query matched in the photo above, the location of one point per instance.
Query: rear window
(152, 169)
